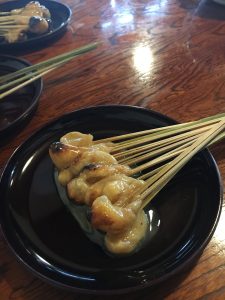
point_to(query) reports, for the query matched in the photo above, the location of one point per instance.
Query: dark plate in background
(60, 16)
(17, 108)
(45, 237)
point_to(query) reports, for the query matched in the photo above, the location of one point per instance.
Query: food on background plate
(17, 24)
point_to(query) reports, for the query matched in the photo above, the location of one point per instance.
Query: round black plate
(18, 107)
(60, 16)
(44, 235)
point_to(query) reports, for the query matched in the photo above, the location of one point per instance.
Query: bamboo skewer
(158, 144)
(48, 62)
(163, 176)
(25, 83)
(169, 146)
(151, 173)
(188, 126)
(19, 79)
(133, 149)
(5, 18)
(13, 17)
(9, 27)
(5, 13)
(166, 132)
(33, 73)
(159, 152)
(164, 157)
(7, 22)
(164, 151)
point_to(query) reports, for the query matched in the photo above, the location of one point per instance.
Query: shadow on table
(205, 9)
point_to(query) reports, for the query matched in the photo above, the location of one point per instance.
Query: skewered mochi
(32, 8)
(33, 18)
(93, 178)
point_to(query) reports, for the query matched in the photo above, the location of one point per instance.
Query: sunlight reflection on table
(143, 59)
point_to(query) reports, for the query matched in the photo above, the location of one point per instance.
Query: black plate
(17, 108)
(60, 16)
(45, 237)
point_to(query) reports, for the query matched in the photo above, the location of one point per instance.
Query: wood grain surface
(166, 55)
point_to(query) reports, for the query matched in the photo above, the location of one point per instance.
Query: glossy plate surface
(60, 16)
(18, 107)
(44, 235)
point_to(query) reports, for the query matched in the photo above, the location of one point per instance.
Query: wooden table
(166, 55)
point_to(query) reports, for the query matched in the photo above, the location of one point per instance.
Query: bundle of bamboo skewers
(12, 82)
(158, 154)
(111, 205)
